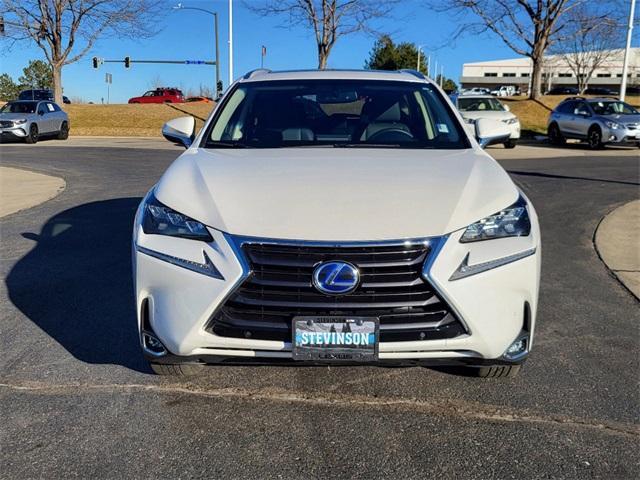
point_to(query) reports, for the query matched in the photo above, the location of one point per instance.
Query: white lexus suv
(344, 217)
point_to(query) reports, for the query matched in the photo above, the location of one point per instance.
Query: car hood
(336, 194)
(628, 118)
(15, 116)
(475, 114)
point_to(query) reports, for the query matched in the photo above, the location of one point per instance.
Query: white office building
(555, 73)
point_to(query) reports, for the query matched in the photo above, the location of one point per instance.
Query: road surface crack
(455, 408)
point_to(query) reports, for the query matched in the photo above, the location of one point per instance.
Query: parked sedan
(198, 100)
(32, 120)
(474, 107)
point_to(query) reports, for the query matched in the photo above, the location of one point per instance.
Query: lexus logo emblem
(336, 278)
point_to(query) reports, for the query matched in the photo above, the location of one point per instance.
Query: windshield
(612, 108)
(479, 104)
(337, 113)
(19, 107)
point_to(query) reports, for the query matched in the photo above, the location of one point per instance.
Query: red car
(160, 95)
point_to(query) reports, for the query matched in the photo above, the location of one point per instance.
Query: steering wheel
(390, 134)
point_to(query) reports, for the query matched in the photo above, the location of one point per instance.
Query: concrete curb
(22, 189)
(616, 241)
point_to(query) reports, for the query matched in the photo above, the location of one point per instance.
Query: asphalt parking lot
(76, 398)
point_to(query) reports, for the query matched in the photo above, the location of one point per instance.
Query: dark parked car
(41, 94)
(599, 91)
(563, 91)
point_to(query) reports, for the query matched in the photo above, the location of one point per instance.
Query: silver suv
(598, 121)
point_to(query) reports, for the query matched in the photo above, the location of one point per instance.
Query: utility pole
(230, 42)
(627, 51)
(215, 24)
(108, 78)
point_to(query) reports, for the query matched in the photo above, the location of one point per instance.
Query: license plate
(638, 135)
(335, 339)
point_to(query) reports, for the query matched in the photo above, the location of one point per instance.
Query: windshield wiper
(218, 144)
(367, 145)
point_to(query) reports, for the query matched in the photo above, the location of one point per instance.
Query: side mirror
(180, 130)
(491, 132)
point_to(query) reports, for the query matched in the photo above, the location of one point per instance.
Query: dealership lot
(78, 399)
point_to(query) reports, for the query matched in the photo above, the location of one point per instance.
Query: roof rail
(255, 72)
(415, 73)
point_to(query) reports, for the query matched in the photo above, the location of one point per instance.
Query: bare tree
(329, 19)
(528, 27)
(588, 42)
(66, 30)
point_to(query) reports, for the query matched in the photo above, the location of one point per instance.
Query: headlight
(511, 121)
(158, 219)
(20, 121)
(510, 222)
(612, 125)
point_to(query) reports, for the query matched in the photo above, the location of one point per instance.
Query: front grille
(391, 288)
(632, 126)
(6, 124)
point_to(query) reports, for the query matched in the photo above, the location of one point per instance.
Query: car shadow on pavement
(569, 177)
(76, 283)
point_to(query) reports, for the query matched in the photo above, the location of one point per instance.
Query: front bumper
(176, 304)
(515, 130)
(621, 135)
(19, 131)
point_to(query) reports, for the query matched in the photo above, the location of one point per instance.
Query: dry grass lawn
(130, 120)
(146, 120)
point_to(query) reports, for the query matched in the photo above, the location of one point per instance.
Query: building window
(620, 75)
(490, 74)
(524, 74)
(604, 75)
(508, 74)
(565, 75)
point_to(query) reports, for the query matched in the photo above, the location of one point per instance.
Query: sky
(189, 35)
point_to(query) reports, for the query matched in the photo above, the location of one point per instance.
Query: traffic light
(127, 62)
(95, 62)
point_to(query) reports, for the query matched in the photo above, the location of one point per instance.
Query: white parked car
(473, 108)
(504, 91)
(32, 120)
(476, 91)
(336, 217)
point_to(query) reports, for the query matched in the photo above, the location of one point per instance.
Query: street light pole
(179, 6)
(230, 42)
(627, 50)
(218, 90)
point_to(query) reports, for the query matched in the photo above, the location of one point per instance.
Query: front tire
(555, 135)
(63, 134)
(32, 137)
(499, 371)
(177, 370)
(510, 143)
(595, 138)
